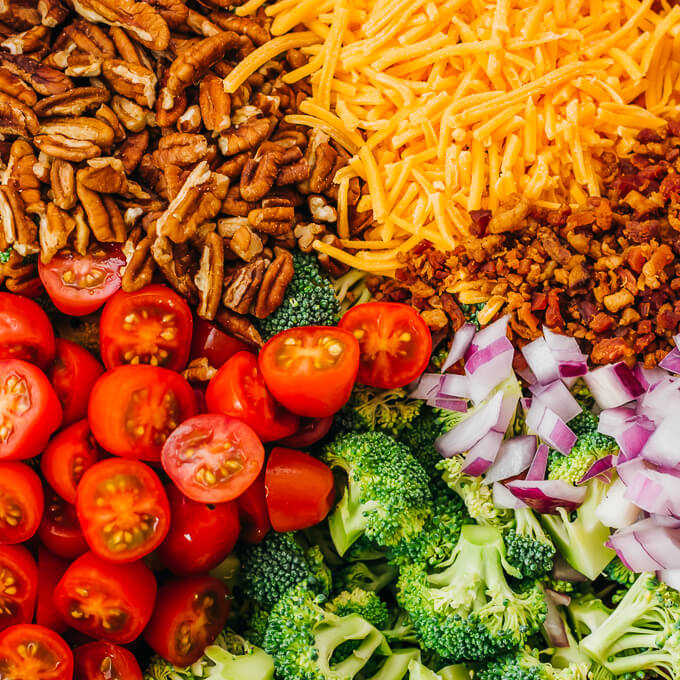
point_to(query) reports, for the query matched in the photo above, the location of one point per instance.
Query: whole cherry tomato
(18, 585)
(253, 513)
(105, 661)
(311, 369)
(73, 375)
(29, 410)
(395, 343)
(25, 331)
(50, 570)
(59, 529)
(150, 326)
(81, 284)
(238, 390)
(50, 658)
(212, 458)
(201, 535)
(21, 502)
(312, 430)
(189, 614)
(133, 409)
(123, 509)
(106, 600)
(66, 458)
(300, 489)
(210, 342)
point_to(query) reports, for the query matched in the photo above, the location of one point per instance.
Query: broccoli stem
(348, 523)
(397, 664)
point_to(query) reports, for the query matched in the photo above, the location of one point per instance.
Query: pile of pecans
(607, 273)
(117, 129)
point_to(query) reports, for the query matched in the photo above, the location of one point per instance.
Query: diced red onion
(661, 399)
(541, 361)
(671, 362)
(651, 489)
(630, 552)
(487, 335)
(648, 376)
(613, 385)
(663, 446)
(633, 439)
(615, 510)
(550, 427)
(527, 375)
(571, 362)
(460, 344)
(538, 464)
(557, 397)
(671, 577)
(426, 387)
(514, 456)
(449, 404)
(453, 385)
(613, 421)
(553, 626)
(488, 366)
(601, 468)
(546, 495)
(648, 545)
(482, 455)
(504, 499)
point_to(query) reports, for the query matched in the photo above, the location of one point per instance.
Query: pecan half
(210, 276)
(52, 12)
(79, 128)
(275, 217)
(133, 81)
(133, 117)
(107, 115)
(103, 215)
(239, 326)
(75, 102)
(242, 25)
(244, 137)
(54, 234)
(179, 148)
(12, 85)
(215, 104)
(190, 121)
(199, 370)
(132, 150)
(60, 146)
(181, 281)
(17, 229)
(29, 41)
(43, 79)
(16, 118)
(63, 184)
(141, 265)
(104, 175)
(274, 284)
(242, 285)
(89, 38)
(259, 175)
(174, 12)
(20, 173)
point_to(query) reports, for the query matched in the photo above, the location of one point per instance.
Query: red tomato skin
(50, 570)
(20, 563)
(25, 331)
(252, 510)
(89, 658)
(74, 445)
(216, 345)
(21, 485)
(33, 427)
(110, 325)
(238, 390)
(153, 494)
(25, 633)
(201, 535)
(73, 375)
(108, 419)
(300, 489)
(132, 586)
(59, 529)
(312, 430)
(176, 599)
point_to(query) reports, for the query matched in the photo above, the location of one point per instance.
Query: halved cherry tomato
(201, 534)
(50, 570)
(25, 331)
(66, 458)
(311, 369)
(252, 511)
(73, 374)
(59, 529)
(150, 326)
(395, 343)
(312, 430)
(18, 585)
(210, 342)
(105, 661)
(213, 458)
(49, 659)
(189, 614)
(238, 390)
(21, 502)
(133, 409)
(106, 600)
(29, 409)
(300, 489)
(81, 284)
(123, 509)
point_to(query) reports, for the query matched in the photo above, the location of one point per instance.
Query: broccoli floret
(370, 409)
(365, 603)
(587, 614)
(528, 548)
(642, 633)
(5, 255)
(420, 438)
(465, 609)
(579, 536)
(257, 624)
(400, 628)
(583, 423)
(525, 664)
(303, 636)
(309, 300)
(387, 497)
(589, 447)
(617, 572)
(270, 568)
(374, 576)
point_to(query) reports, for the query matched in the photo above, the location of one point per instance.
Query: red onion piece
(488, 366)
(504, 499)
(449, 404)
(630, 552)
(541, 361)
(453, 385)
(613, 421)
(600, 468)
(648, 545)
(613, 385)
(460, 344)
(633, 439)
(514, 456)
(557, 397)
(546, 495)
(671, 362)
(538, 464)
(498, 329)
(482, 455)
(661, 399)
(553, 626)
(662, 447)
(648, 376)
(426, 387)
(671, 577)
(615, 510)
(651, 489)
(550, 427)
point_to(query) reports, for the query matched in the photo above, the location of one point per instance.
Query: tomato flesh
(123, 509)
(18, 585)
(50, 570)
(21, 502)
(312, 431)
(25, 331)
(252, 510)
(150, 326)
(35, 652)
(213, 458)
(81, 284)
(59, 530)
(395, 343)
(105, 661)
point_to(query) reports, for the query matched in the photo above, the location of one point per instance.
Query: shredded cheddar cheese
(452, 106)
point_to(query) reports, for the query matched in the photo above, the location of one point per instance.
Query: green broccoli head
(374, 575)
(525, 664)
(528, 547)
(365, 603)
(256, 624)
(465, 609)
(641, 634)
(583, 396)
(386, 499)
(583, 423)
(303, 637)
(309, 300)
(270, 568)
(589, 447)
(617, 572)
